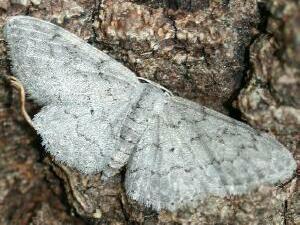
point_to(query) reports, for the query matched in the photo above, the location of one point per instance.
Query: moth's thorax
(149, 101)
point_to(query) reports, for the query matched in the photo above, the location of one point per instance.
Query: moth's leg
(293, 188)
(78, 197)
(19, 87)
(157, 85)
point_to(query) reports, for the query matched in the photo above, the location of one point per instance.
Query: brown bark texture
(238, 57)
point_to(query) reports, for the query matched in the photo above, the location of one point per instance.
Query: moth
(97, 116)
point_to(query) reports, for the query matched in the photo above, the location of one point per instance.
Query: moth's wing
(87, 139)
(66, 74)
(54, 65)
(190, 152)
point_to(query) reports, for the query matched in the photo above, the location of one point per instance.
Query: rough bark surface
(213, 52)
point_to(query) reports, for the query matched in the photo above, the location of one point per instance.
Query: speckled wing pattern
(97, 116)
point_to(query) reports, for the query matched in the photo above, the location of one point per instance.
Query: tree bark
(238, 57)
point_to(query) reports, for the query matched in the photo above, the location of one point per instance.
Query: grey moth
(97, 116)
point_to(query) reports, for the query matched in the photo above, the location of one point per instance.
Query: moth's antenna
(157, 85)
(16, 84)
